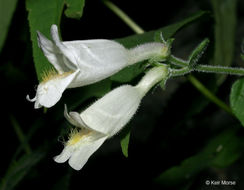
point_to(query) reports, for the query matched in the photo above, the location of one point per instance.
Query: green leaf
(225, 25)
(64, 182)
(19, 169)
(167, 31)
(129, 73)
(221, 151)
(242, 57)
(74, 8)
(124, 141)
(198, 52)
(41, 15)
(95, 90)
(7, 8)
(237, 99)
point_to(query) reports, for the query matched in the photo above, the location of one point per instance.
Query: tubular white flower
(105, 118)
(80, 63)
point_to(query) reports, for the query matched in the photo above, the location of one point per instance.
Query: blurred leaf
(129, 73)
(64, 182)
(221, 151)
(42, 14)
(21, 136)
(167, 31)
(80, 95)
(7, 8)
(124, 140)
(242, 57)
(77, 96)
(74, 8)
(237, 99)
(18, 169)
(225, 25)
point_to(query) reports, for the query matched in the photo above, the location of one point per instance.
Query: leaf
(225, 25)
(129, 73)
(124, 140)
(7, 8)
(95, 90)
(237, 99)
(74, 8)
(221, 151)
(19, 169)
(198, 52)
(167, 31)
(41, 15)
(64, 182)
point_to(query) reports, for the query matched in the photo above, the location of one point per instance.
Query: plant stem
(208, 68)
(209, 94)
(196, 83)
(137, 29)
(180, 72)
(20, 134)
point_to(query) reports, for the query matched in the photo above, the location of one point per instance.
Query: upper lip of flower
(75, 119)
(56, 52)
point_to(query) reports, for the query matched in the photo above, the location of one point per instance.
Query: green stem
(137, 29)
(208, 68)
(20, 134)
(180, 72)
(209, 94)
(197, 84)
(219, 69)
(178, 62)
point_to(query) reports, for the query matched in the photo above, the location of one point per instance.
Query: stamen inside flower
(52, 74)
(76, 135)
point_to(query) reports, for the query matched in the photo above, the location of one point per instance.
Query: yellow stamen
(52, 74)
(76, 135)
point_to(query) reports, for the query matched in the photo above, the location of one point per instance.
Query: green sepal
(197, 53)
(242, 57)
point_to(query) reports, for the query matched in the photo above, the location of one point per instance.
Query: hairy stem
(197, 84)
(208, 68)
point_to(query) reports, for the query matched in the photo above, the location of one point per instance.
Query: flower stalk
(205, 68)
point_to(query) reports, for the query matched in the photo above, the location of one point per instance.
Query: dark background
(164, 131)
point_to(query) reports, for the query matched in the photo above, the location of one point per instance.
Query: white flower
(105, 118)
(79, 63)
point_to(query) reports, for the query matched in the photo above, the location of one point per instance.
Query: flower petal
(30, 99)
(73, 118)
(112, 112)
(97, 59)
(79, 158)
(50, 92)
(69, 58)
(65, 154)
(52, 53)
